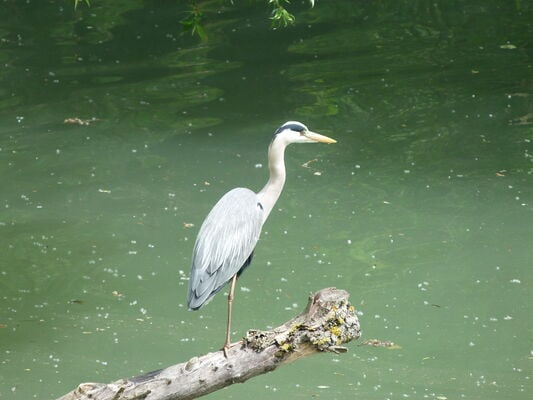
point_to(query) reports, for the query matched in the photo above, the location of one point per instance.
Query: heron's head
(296, 132)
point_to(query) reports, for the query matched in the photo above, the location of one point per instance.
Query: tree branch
(327, 322)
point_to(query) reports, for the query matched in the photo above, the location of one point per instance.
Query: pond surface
(422, 210)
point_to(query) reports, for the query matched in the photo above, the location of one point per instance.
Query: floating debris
(188, 225)
(79, 121)
(508, 46)
(306, 164)
(381, 343)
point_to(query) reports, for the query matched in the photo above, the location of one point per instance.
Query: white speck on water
(258, 165)
(245, 289)
(515, 281)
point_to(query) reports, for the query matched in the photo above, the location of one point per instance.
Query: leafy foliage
(76, 2)
(280, 16)
(193, 21)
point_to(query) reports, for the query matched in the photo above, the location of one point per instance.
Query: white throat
(276, 165)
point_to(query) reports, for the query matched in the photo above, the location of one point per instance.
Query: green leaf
(77, 1)
(199, 29)
(193, 22)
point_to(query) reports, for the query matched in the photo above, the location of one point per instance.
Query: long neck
(276, 165)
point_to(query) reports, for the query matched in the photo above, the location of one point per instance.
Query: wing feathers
(226, 239)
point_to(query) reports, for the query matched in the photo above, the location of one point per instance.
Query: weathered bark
(327, 322)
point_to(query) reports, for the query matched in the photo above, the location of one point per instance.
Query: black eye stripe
(292, 127)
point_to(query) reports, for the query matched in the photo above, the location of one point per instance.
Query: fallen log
(327, 322)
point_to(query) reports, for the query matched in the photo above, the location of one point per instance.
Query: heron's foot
(225, 350)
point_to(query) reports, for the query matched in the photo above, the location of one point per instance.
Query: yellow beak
(319, 138)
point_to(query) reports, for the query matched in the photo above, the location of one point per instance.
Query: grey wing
(226, 239)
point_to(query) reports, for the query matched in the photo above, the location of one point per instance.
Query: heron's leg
(228, 326)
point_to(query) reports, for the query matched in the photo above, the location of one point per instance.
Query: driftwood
(327, 322)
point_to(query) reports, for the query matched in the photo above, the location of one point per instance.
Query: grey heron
(227, 238)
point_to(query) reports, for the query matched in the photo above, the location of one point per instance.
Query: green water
(422, 211)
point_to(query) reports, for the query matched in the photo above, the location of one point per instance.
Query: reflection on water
(420, 211)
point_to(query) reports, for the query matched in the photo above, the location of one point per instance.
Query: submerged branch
(327, 322)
